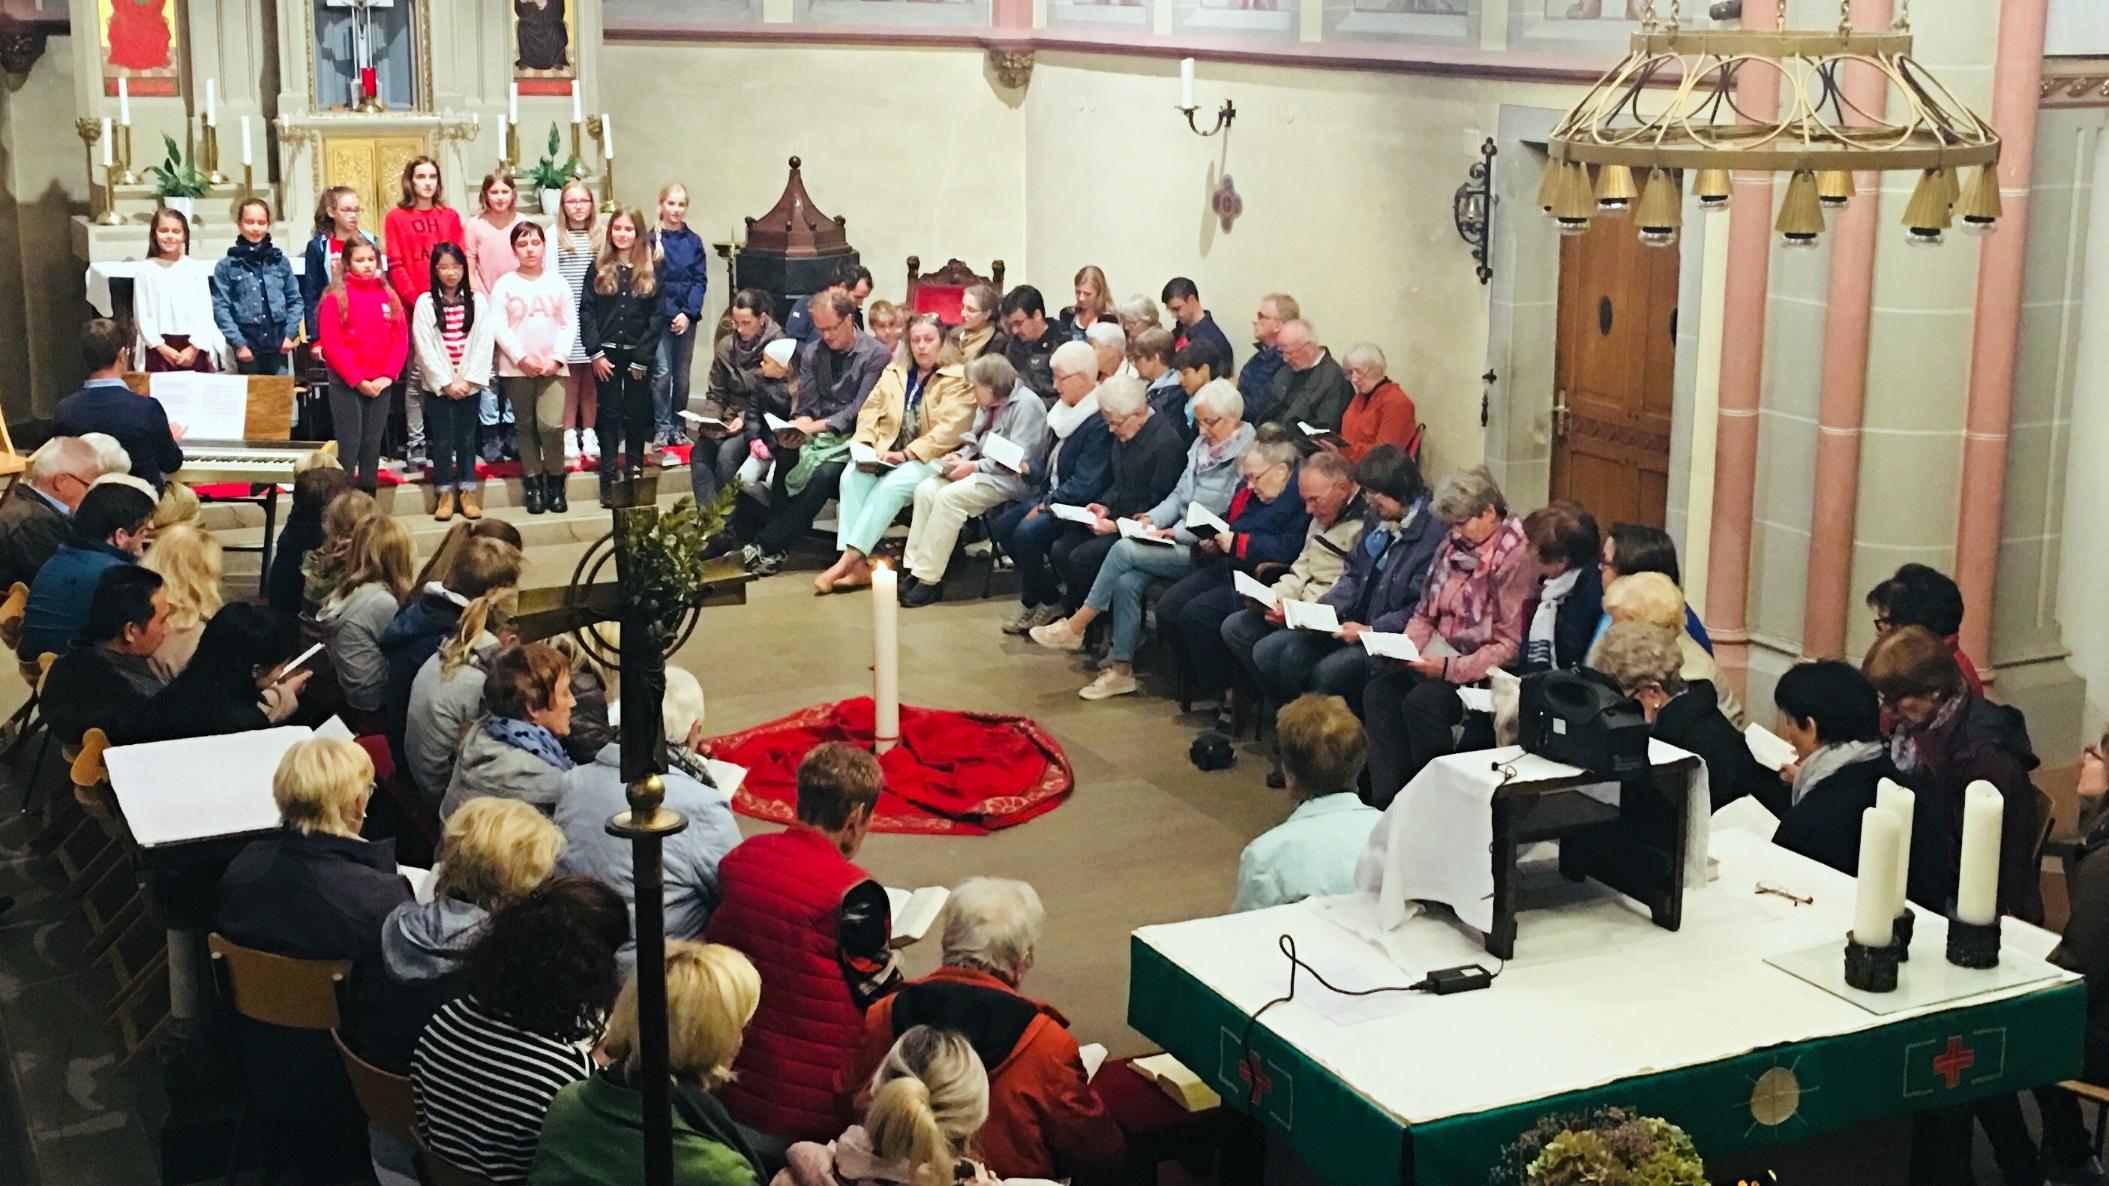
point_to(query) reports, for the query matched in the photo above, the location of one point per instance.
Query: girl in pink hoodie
(365, 340)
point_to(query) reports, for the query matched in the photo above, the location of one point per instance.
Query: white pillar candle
(1186, 82)
(124, 102)
(212, 105)
(512, 103)
(245, 142)
(1895, 798)
(1977, 890)
(885, 667)
(578, 114)
(1872, 915)
(109, 142)
(607, 137)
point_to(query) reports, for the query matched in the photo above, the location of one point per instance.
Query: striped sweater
(482, 1087)
(575, 267)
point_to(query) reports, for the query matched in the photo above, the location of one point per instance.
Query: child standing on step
(420, 222)
(365, 339)
(453, 329)
(255, 296)
(536, 326)
(623, 321)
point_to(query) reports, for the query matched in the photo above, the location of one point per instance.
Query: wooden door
(1614, 372)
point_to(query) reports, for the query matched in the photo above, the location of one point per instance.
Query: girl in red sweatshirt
(420, 222)
(365, 340)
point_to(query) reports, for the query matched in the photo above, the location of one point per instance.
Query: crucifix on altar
(364, 55)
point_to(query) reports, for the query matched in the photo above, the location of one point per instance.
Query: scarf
(1537, 645)
(1904, 743)
(1830, 760)
(1066, 418)
(528, 736)
(1460, 597)
(747, 355)
(258, 255)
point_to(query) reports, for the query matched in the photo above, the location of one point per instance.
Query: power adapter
(1466, 978)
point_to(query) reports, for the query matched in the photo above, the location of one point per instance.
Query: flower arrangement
(1604, 1147)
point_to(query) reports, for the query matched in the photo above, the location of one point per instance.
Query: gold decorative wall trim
(2075, 82)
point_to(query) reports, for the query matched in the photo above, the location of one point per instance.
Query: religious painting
(1249, 18)
(1593, 10)
(545, 41)
(142, 44)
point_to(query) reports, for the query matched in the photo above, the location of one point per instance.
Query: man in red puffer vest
(819, 930)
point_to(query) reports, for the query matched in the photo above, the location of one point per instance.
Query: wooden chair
(13, 611)
(275, 990)
(34, 673)
(1413, 443)
(446, 1173)
(385, 1097)
(940, 292)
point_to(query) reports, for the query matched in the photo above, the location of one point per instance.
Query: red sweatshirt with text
(373, 342)
(412, 234)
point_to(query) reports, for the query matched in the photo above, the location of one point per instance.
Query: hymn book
(1250, 586)
(1130, 529)
(1070, 514)
(1006, 453)
(1319, 433)
(1770, 750)
(863, 454)
(1311, 615)
(777, 423)
(1204, 522)
(914, 912)
(700, 418)
(1390, 646)
(1174, 1079)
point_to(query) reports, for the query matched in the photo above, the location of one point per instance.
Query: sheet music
(1200, 516)
(1311, 615)
(1390, 646)
(200, 788)
(775, 422)
(209, 407)
(863, 454)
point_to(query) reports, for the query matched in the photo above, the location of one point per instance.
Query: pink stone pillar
(2017, 79)
(1827, 598)
(1742, 380)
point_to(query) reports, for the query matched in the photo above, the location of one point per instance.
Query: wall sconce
(1225, 115)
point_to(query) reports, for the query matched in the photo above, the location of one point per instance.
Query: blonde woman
(189, 560)
(446, 696)
(1654, 598)
(578, 238)
(360, 604)
(1094, 304)
(339, 516)
(178, 504)
(591, 1134)
(928, 1099)
(977, 333)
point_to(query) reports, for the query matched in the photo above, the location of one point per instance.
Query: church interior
(1621, 419)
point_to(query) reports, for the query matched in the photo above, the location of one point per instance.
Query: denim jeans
(1126, 576)
(492, 409)
(713, 463)
(450, 429)
(273, 363)
(671, 370)
(1030, 543)
(1287, 663)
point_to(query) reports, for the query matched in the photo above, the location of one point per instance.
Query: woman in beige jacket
(917, 414)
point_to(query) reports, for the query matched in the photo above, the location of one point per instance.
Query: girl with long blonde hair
(928, 1099)
(622, 323)
(578, 238)
(319, 575)
(361, 603)
(190, 561)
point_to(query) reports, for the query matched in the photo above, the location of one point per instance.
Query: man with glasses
(1276, 310)
(34, 518)
(1309, 389)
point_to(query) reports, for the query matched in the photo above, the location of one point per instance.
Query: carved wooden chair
(941, 291)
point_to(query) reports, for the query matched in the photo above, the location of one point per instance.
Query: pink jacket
(373, 341)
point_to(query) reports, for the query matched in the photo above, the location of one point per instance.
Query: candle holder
(598, 131)
(248, 181)
(210, 150)
(1870, 969)
(578, 152)
(511, 155)
(1900, 934)
(1973, 946)
(1226, 115)
(123, 155)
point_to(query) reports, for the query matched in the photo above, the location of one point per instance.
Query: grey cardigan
(487, 766)
(1210, 483)
(351, 630)
(442, 706)
(1022, 420)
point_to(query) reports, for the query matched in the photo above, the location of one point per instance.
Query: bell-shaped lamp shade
(1926, 215)
(1712, 188)
(1614, 188)
(1834, 188)
(1981, 207)
(1661, 211)
(1801, 215)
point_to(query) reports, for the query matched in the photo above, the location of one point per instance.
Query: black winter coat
(622, 328)
(1693, 721)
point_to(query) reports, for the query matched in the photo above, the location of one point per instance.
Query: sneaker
(760, 563)
(1056, 636)
(1027, 617)
(589, 444)
(415, 458)
(571, 444)
(1108, 685)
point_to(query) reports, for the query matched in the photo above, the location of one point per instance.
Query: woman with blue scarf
(515, 750)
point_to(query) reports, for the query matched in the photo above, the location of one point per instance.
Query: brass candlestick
(123, 155)
(578, 153)
(248, 181)
(598, 131)
(91, 134)
(511, 158)
(210, 150)
(110, 216)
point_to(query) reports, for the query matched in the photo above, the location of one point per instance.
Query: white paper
(200, 788)
(1390, 646)
(209, 407)
(914, 912)
(335, 727)
(1313, 430)
(775, 422)
(1771, 750)
(1073, 514)
(863, 454)
(1130, 529)
(700, 418)
(1475, 699)
(1745, 814)
(1310, 615)
(1200, 516)
(1004, 452)
(725, 776)
(421, 881)
(1094, 1056)
(1251, 586)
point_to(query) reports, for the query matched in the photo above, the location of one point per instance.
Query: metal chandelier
(1670, 111)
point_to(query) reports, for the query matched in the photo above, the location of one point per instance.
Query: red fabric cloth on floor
(958, 773)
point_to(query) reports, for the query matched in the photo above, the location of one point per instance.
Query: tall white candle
(1186, 82)
(212, 104)
(885, 666)
(245, 142)
(512, 103)
(109, 141)
(578, 114)
(1872, 915)
(124, 102)
(1898, 800)
(607, 137)
(1977, 890)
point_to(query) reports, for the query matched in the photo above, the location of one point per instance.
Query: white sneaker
(589, 444)
(1056, 636)
(1108, 685)
(571, 444)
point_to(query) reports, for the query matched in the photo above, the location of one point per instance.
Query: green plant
(1604, 1147)
(175, 177)
(546, 173)
(667, 559)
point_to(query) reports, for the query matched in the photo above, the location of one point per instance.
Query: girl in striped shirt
(453, 330)
(578, 241)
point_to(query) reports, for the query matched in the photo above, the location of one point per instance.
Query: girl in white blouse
(172, 302)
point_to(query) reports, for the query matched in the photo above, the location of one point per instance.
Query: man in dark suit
(105, 404)
(33, 520)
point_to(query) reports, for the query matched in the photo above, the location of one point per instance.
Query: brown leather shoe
(445, 510)
(470, 508)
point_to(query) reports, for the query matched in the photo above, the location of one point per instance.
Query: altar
(1600, 1008)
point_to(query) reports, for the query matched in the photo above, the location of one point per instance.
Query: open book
(1004, 452)
(1174, 1079)
(725, 776)
(420, 881)
(1071, 514)
(1251, 586)
(1769, 748)
(1204, 522)
(914, 912)
(700, 418)
(863, 454)
(1319, 433)
(1310, 615)
(1130, 529)
(776, 423)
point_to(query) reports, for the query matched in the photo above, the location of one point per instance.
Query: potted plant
(550, 178)
(177, 182)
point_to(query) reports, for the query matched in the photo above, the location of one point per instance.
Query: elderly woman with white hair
(1654, 598)
(1381, 413)
(595, 792)
(1480, 588)
(1153, 549)
(1079, 465)
(1137, 314)
(1045, 1121)
(1110, 343)
(968, 481)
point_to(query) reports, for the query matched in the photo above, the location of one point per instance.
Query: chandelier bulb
(1614, 188)
(1925, 237)
(1655, 238)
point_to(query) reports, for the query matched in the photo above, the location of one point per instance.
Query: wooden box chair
(940, 292)
(384, 1096)
(126, 933)
(275, 990)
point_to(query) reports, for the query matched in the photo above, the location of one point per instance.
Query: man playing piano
(105, 404)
